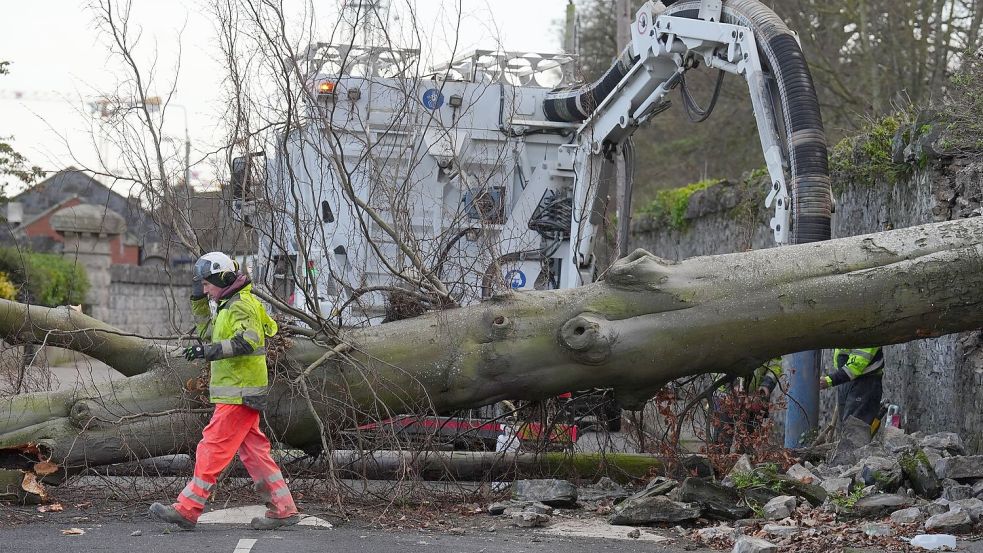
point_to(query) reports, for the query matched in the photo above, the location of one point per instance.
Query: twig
(340, 348)
(158, 414)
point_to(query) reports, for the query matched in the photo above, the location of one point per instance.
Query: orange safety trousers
(235, 428)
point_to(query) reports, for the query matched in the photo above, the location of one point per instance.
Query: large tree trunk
(648, 322)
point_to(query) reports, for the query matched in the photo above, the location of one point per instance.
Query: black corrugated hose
(805, 138)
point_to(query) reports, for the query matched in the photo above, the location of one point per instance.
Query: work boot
(269, 523)
(167, 513)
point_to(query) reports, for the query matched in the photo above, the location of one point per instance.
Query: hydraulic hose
(805, 138)
(576, 103)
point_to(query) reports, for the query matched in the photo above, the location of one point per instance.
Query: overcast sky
(59, 61)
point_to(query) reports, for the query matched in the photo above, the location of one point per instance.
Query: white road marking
(244, 545)
(242, 515)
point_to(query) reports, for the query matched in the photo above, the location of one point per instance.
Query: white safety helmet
(217, 268)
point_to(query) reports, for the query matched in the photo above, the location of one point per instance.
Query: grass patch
(669, 206)
(846, 502)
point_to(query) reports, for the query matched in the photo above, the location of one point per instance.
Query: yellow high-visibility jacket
(238, 347)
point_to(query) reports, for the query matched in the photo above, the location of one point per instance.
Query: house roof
(33, 219)
(54, 191)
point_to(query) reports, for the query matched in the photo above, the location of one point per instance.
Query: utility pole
(623, 18)
(570, 39)
(622, 201)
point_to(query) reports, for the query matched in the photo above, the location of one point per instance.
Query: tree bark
(650, 321)
(433, 465)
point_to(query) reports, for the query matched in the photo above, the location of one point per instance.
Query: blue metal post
(802, 412)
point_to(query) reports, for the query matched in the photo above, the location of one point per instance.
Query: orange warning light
(325, 87)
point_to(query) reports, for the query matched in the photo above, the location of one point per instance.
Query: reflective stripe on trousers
(197, 491)
(234, 429)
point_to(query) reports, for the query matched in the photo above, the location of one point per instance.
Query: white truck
(401, 190)
(493, 173)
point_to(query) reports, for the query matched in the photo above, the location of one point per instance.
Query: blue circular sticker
(433, 99)
(515, 278)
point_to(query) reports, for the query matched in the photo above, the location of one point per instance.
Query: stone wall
(150, 300)
(937, 382)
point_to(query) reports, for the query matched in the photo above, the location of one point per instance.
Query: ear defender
(223, 279)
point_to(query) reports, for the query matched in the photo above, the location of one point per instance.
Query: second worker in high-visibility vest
(857, 379)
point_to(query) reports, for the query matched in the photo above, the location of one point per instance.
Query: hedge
(44, 278)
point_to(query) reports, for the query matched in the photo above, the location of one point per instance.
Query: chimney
(15, 213)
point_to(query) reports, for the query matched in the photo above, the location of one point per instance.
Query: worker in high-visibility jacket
(857, 379)
(222, 301)
(759, 385)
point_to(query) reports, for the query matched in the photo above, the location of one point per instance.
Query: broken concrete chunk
(854, 434)
(528, 507)
(747, 544)
(878, 530)
(646, 510)
(950, 442)
(933, 457)
(881, 472)
(960, 467)
(780, 530)
(954, 491)
(810, 492)
(556, 493)
(956, 521)
(716, 532)
(742, 466)
(872, 450)
(907, 516)
(497, 508)
(511, 506)
(659, 485)
(919, 471)
(879, 504)
(895, 441)
(780, 507)
(936, 507)
(802, 474)
(529, 519)
(837, 486)
(605, 488)
(972, 506)
(759, 495)
(715, 500)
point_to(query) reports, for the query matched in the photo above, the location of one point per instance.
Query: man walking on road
(237, 352)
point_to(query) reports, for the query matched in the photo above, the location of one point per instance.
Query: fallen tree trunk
(432, 465)
(648, 322)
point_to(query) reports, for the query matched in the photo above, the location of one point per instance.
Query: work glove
(194, 352)
(197, 288)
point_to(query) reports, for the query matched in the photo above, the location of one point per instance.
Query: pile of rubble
(877, 493)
